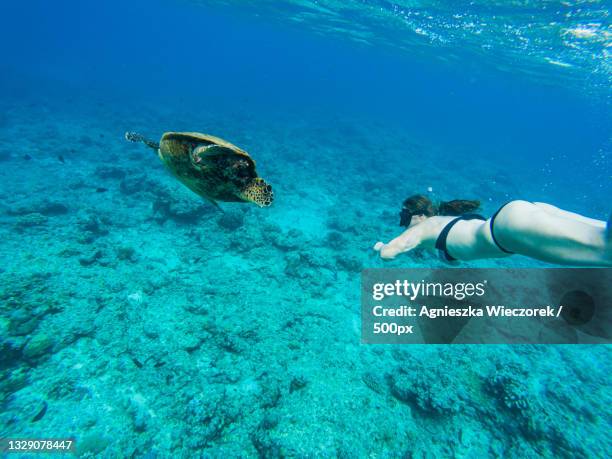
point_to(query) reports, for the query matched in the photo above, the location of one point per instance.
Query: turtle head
(259, 192)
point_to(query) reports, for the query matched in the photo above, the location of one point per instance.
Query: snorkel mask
(405, 217)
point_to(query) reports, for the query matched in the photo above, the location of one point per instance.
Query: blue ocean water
(143, 322)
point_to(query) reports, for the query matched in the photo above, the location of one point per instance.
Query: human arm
(422, 235)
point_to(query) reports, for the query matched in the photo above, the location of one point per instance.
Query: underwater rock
(40, 411)
(92, 227)
(212, 412)
(230, 343)
(269, 421)
(231, 220)
(292, 239)
(141, 420)
(374, 381)
(181, 209)
(109, 172)
(197, 307)
(155, 283)
(313, 272)
(92, 443)
(245, 240)
(317, 258)
(136, 298)
(86, 238)
(270, 393)
(53, 208)
(267, 447)
(37, 346)
(138, 183)
(29, 221)
(507, 386)
(46, 207)
(139, 411)
(336, 240)
(297, 383)
(83, 326)
(131, 184)
(151, 329)
(86, 141)
(15, 379)
(29, 407)
(4, 331)
(341, 224)
(95, 224)
(427, 390)
(294, 266)
(191, 343)
(350, 451)
(269, 230)
(22, 323)
(10, 348)
(349, 263)
(98, 257)
(126, 253)
(91, 259)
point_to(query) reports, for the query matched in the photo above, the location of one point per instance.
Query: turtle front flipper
(214, 203)
(258, 192)
(202, 152)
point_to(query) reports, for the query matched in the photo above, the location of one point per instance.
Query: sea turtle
(211, 167)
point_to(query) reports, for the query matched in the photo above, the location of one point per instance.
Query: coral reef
(145, 322)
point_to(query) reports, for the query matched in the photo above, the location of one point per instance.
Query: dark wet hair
(422, 205)
(457, 207)
(416, 205)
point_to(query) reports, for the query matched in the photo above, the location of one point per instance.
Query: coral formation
(147, 323)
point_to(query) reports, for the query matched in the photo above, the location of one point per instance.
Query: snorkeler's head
(415, 205)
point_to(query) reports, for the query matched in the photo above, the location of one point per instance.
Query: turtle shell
(213, 168)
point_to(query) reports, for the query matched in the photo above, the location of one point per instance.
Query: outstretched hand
(386, 251)
(382, 250)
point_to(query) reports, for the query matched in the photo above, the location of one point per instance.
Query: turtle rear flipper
(135, 137)
(259, 192)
